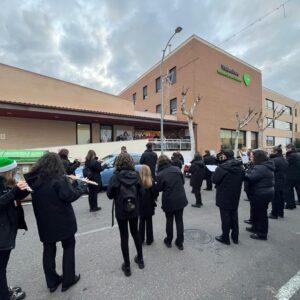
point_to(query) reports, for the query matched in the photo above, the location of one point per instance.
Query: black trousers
(4, 258)
(290, 193)
(278, 204)
(145, 225)
(52, 278)
(93, 196)
(124, 235)
(209, 181)
(260, 217)
(230, 221)
(197, 192)
(177, 214)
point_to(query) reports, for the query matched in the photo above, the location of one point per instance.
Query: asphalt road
(204, 270)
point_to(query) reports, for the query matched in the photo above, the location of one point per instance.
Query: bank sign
(234, 75)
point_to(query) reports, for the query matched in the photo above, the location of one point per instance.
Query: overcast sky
(106, 44)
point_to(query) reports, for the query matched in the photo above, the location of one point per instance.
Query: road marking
(96, 230)
(290, 288)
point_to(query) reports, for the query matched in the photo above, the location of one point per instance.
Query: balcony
(172, 144)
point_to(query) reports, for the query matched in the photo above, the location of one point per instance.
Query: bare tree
(190, 116)
(241, 123)
(262, 125)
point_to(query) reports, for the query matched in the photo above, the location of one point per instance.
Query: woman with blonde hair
(148, 196)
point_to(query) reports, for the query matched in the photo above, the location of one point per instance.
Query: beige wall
(18, 85)
(24, 133)
(197, 65)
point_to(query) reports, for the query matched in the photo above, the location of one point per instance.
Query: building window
(282, 141)
(106, 133)
(270, 123)
(269, 104)
(172, 75)
(158, 108)
(296, 128)
(134, 98)
(288, 110)
(254, 140)
(173, 106)
(157, 84)
(145, 92)
(227, 137)
(283, 125)
(270, 141)
(295, 112)
(83, 133)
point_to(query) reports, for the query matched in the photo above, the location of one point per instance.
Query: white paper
(211, 168)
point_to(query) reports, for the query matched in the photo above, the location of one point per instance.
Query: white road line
(287, 291)
(96, 230)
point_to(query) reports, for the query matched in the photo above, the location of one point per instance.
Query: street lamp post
(177, 30)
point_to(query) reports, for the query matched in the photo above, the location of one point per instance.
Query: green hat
(7, 164)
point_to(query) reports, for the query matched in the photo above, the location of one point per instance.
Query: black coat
(52, 206)
(197, 170)
(11, 216)
(228, 179)
(170, 181)
(281, 167)
(149, 158)
(95, 168)
(125, 177)
(209, 160)
(147, 199)
(293, 171)
(69, 167)
(260, 182)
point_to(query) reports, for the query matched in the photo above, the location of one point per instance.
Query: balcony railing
(172, 144)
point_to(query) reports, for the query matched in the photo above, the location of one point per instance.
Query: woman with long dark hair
(124, 188)
(259, 186)
(92, 171)
(56, 221)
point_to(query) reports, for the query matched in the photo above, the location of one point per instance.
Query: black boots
(222, 240)
(126, 270)
(257, 236)
(76, 279)
(197, 205)
(139, 262)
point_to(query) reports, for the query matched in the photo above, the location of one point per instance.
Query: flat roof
(281, 95)
(199, 39)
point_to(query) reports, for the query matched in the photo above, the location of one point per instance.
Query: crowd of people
(53, 187)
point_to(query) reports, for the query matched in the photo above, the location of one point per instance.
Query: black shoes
(168, 244)
(256, 236)
(251, 229)
(179, 246)
(222, 240)
(149, 243)
(54, 288)
(197, 205)
(76, 279)
(271, 216)
(235, 241)
(290, 207)
(126, 270)
(95, 209)
(248, 222)
(139, 262)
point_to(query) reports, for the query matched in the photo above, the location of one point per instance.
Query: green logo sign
(247, 79)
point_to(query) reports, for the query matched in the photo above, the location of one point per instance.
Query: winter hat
(7, 164)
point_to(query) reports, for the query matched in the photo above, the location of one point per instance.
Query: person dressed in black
(92, 171)
(228, 179)
(55, 218)
(293, 176)
(148, 195)
(176, 160)
(281, 167)
(259, 186)
(11, 219)
(197, 170)
(149, 158)
(208, 160)
(70, 167)
(170, 181)
(124, 188)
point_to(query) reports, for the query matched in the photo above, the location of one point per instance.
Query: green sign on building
(247, 79)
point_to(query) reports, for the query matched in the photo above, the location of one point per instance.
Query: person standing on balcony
(149, 158)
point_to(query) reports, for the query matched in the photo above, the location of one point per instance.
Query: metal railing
(172, 144)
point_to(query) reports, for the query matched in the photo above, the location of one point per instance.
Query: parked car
(108, 172)
(186, 169)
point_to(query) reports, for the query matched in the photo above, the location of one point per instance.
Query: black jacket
(293, 171)
(69, 167)
(260, 181)
(209, 160)
(11, 215)
(95, 168)
(281, 167)
(147, 198)
(197, 170)
(149, 158)
(228, 179)
(51, 200)
(125, 177)
(170, 181)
